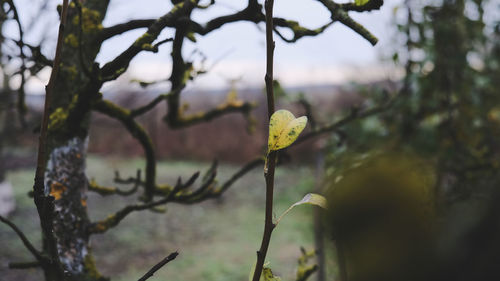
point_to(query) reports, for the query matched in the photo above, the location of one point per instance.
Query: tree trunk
(66, 181)
(70, 109)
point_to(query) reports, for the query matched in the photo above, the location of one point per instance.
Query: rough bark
(70, 109)
(65, 180)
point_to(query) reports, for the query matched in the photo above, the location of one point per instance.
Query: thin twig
(24, 265)
(21, 104)
(269, 172)
(352, 116)
(104, 190)
(159, 265)
(206, 191)
(37, 254)
(139, 133)
(147, 107)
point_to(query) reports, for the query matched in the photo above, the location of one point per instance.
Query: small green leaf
(309, 198)
(305, 270)
(266, 275)
(314, 199)
(361, 2)
(191, 37)
(284, 129)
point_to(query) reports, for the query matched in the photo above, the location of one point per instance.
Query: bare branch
(37, 254)
(257, 162)
(271, 157)
(159, 265)
(298, 30)
(369, 6)
(38, 57)
(145, 108)
(122, 61)
(21, 104)
(223, 109)
(137, 131)
(114, 219)
(129, 180)
(114, 30)
(181, 72)
(252, 13)
(202, 192)
(354, 115)
(104, 190)
(178, 194)
(339, 13)
(24, 265)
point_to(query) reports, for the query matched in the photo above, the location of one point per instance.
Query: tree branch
(339, 13)
(24, 265)
(181, 71)
(37, 254)
(159, 265)
(368, 7)
(114, 219)
(21, 104)
(122, 61)
(179, 15)
(298, 30)
(223, 109)
(271, 161)
(177, 194)
(105, 191)
(259, 161)
(114, 30)
(354, 115)
(252, 13)
(147, 107)
(137, 131)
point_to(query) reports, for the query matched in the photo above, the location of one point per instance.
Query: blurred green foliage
(448, 106)
(381, 215)
(446, 112)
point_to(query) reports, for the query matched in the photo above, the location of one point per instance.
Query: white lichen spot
(65, 179)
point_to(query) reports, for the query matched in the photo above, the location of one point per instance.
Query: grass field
(217, 239)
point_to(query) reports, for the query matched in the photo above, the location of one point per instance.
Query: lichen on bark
(65, 180)
(70, 111)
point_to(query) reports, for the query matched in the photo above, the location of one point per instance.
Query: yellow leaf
(284, 129)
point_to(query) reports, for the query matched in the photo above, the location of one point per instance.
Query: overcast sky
(238, 49)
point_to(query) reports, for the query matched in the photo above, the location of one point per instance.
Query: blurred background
(437, 62)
